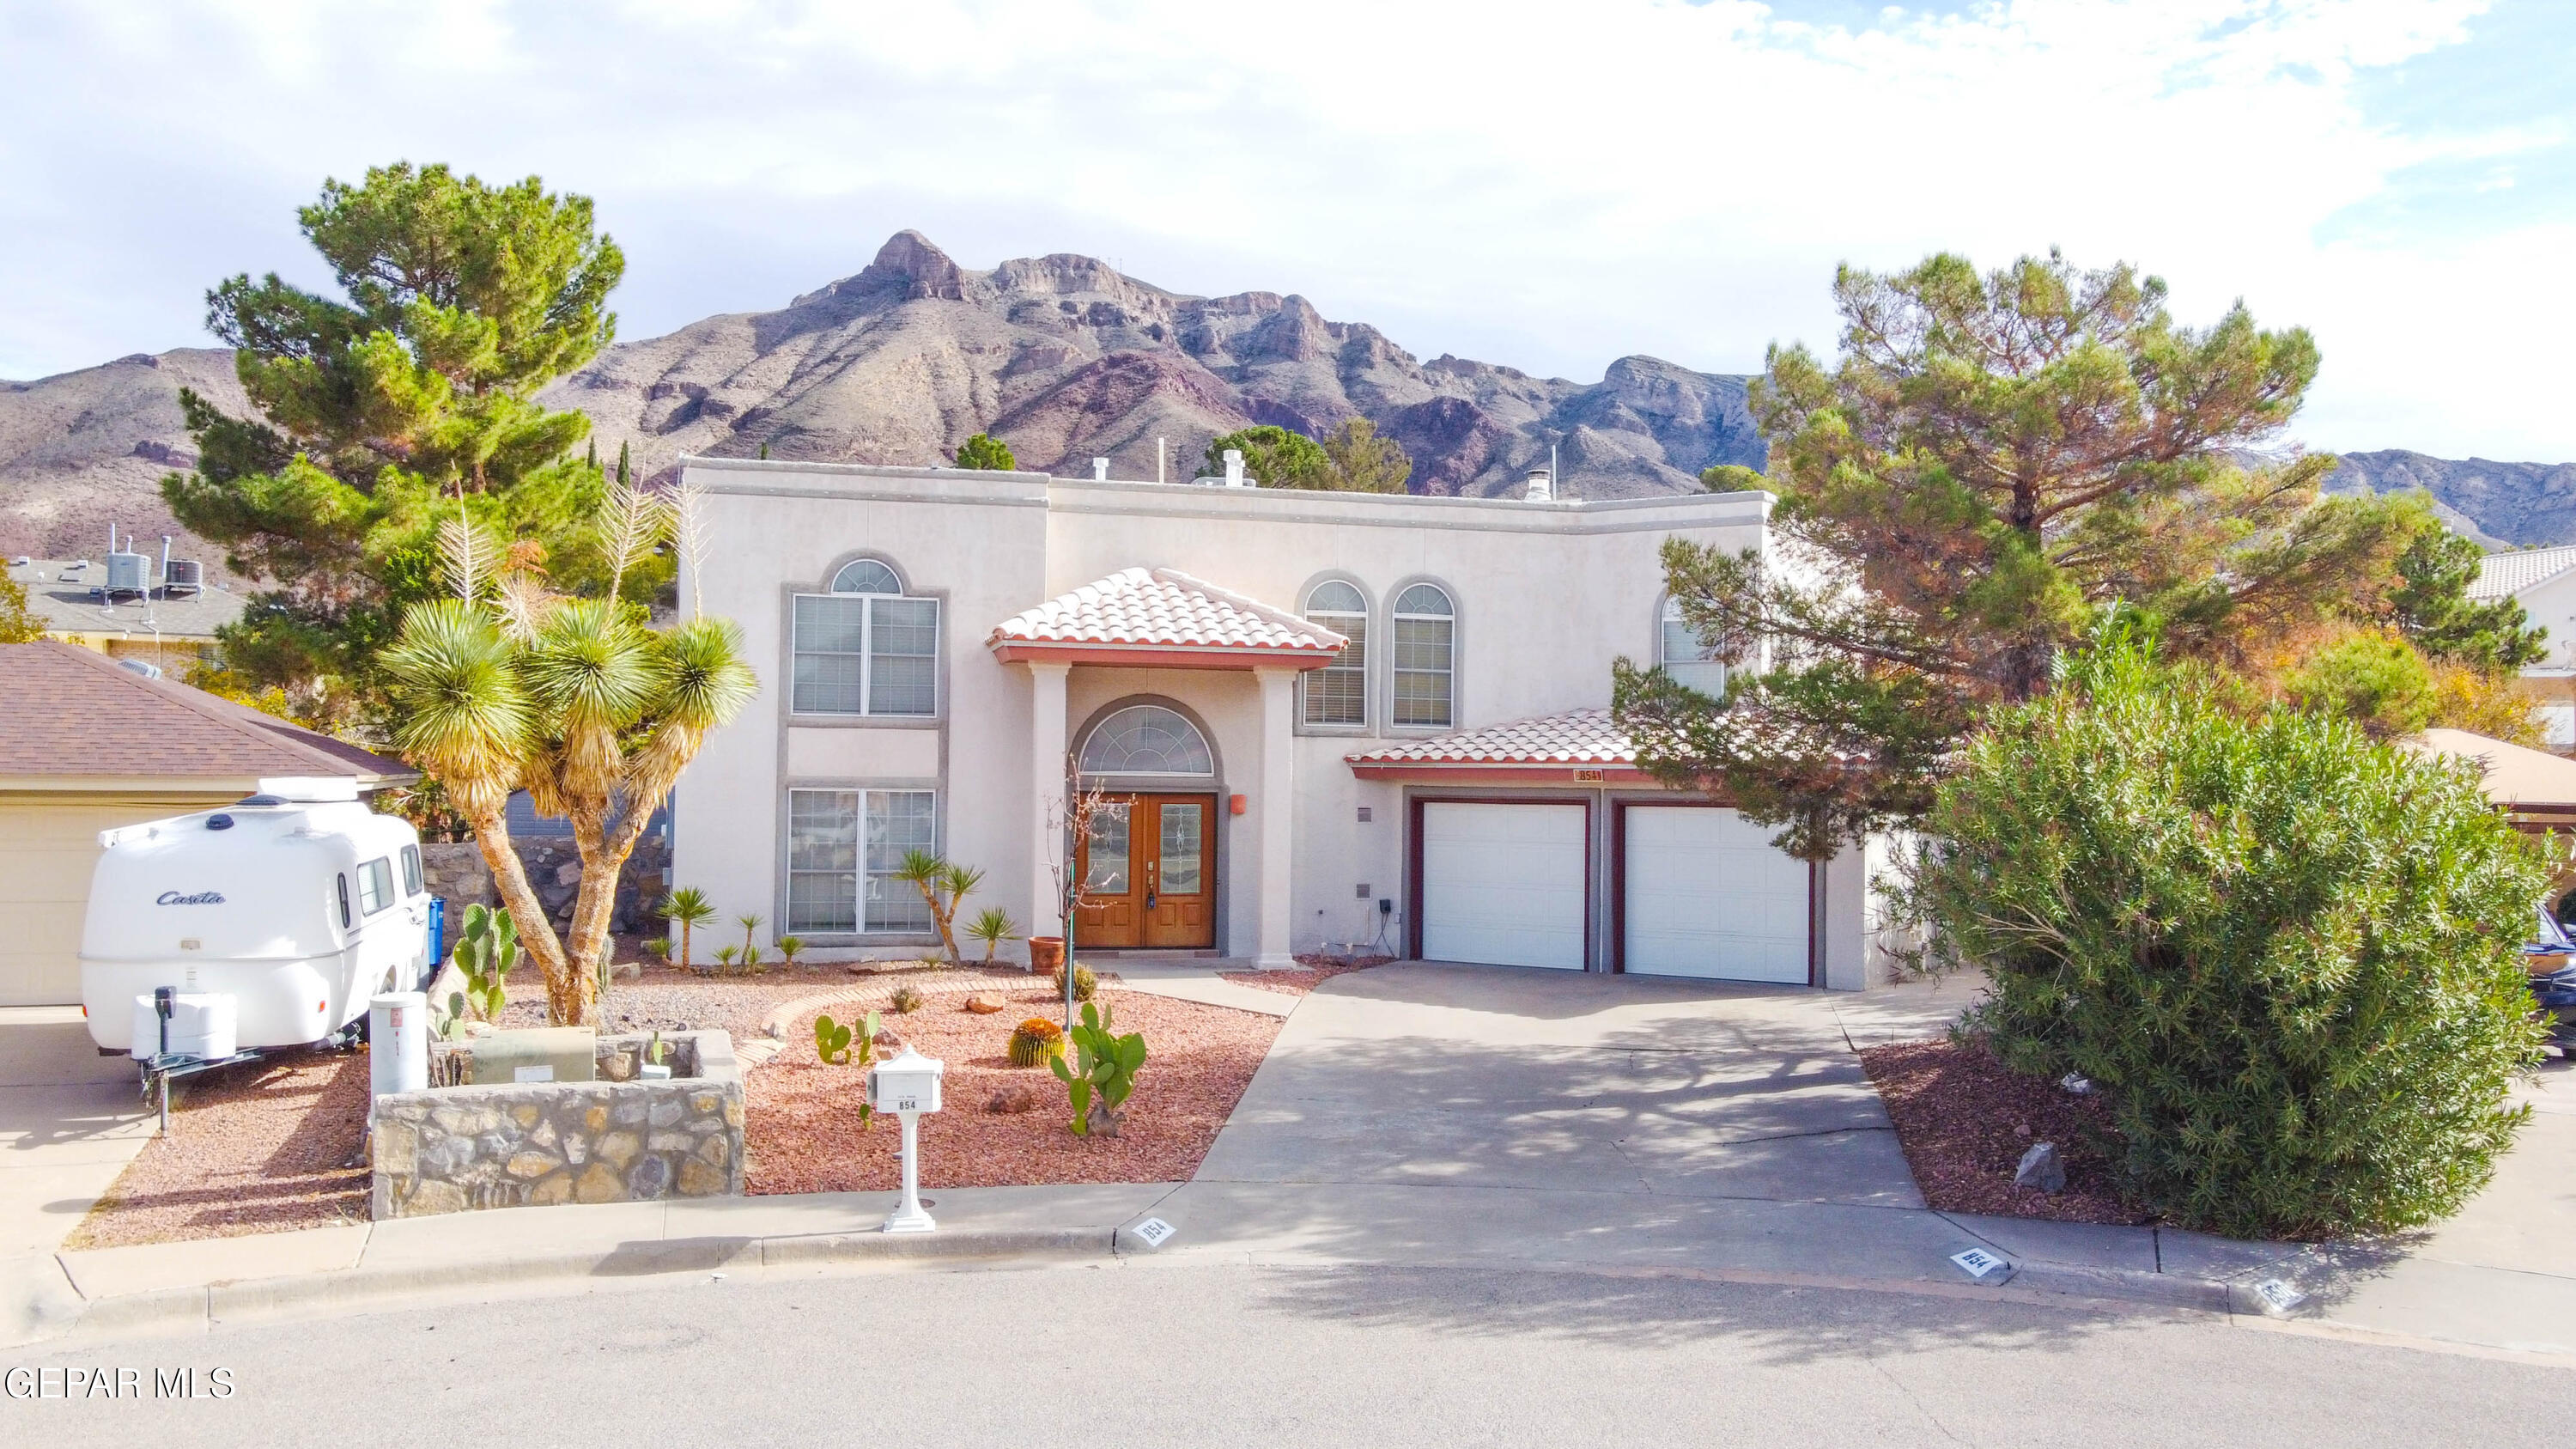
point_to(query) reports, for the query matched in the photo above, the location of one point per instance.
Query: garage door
(1709, 896)
(1503, 884)
(47, 848)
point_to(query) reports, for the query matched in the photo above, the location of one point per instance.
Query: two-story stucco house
(1321, 721)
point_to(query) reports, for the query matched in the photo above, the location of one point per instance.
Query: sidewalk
(69, 1122)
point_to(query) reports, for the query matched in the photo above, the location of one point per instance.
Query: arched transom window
(1686, 659)
(1147, 739)
(1425, 657)
(1337, 694)
(865, 649)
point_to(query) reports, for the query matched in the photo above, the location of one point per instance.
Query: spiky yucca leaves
(2287, 954)
(574, 700)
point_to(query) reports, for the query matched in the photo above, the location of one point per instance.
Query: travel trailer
(298, 902)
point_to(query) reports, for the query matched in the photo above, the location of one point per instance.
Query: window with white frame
(1424, 658)
(843, 849)
(864, 649)
(1147, 739)
(1686, 659)
(1337, 694)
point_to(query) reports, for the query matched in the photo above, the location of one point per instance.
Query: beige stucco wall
(1546, 597)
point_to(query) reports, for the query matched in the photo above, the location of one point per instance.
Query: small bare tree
(1072, 820)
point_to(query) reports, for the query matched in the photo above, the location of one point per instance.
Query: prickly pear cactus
(832, 1041)
(1103, 1073)
(487, 952)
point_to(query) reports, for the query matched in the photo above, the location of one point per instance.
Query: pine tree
(986, 452)
(385, 410)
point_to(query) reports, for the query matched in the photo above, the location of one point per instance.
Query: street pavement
(1159, 1351)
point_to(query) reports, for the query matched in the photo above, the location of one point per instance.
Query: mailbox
(909, 1082)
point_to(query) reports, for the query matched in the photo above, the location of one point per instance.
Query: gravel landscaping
(1311, 972)
(803, 1132)
(1964, 1122)
(266, 1148)
(261, 1148)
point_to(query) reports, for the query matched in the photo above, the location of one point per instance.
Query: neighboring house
(2543, 581)
(1321, 721)
(86, 745)
(172, 626)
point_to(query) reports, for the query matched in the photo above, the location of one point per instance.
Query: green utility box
(538, 1054)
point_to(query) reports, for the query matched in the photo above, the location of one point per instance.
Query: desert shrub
(1035, 1040)
(2287, 953)
(1084, 983)
(906, 1001)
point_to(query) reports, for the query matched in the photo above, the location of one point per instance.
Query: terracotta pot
(1046, 953)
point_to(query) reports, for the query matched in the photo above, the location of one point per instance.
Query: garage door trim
(1413, 876)
(1619, 888)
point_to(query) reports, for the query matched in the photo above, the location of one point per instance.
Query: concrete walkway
(69, 1122)
(1189, 979)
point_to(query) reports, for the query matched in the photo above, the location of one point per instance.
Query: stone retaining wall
(453, 1149)
(458, 872)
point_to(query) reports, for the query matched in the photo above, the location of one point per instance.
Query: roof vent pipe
(1542, 486)
(1234, 468)
(1099, 470)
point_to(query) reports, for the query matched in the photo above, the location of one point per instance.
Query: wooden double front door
(1148, 872)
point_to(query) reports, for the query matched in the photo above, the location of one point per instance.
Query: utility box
(907, 1083)
(537, 1054)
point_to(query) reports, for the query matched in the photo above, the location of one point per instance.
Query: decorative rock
(983, 1004)
(1012, 1099)
(2076, 1084)
(551, 1190)
(532, 1165)
(619, 1148)
(2042, 1168)
(697, 1179)
(651, 1179)
(598, 1184)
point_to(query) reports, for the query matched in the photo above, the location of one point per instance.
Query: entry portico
(1324, 722)
(1160, 619)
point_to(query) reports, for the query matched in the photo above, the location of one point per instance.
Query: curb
(199, 1308)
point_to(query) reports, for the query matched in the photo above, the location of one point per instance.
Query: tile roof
(1166, 609)
(72, 711)
(70, 603)
(2504, 574)
(1576, 737)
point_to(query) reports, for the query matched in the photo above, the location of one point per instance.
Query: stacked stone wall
(459, 872)
(455, 1149)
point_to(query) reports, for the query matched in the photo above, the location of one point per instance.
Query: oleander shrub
(1084, 983)
(1035, 1040)
(2286, 953)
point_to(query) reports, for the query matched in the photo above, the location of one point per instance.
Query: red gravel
(666, 998)
(1964, 1122)
(253, 1149)
(802, 1132)
(1313, 971)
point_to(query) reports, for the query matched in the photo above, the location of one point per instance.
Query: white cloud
(1546, 186)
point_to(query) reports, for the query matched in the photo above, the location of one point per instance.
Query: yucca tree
(509, 685)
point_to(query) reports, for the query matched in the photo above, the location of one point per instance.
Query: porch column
(1046, 794)
(1274, 813)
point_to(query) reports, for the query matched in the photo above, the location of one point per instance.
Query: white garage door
(1503, 884)
(48, 846)
(1708, 895)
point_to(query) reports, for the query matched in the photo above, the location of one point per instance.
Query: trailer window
(411, 870)
(375, 885)
(344, 900)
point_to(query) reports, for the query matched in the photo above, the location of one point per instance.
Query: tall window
(1147, 739)
(1337, 694)
(1686, 659)
(843, 848)
(1426, 645)
(865, 649)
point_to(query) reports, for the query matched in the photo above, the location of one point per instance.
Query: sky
(1550, 186)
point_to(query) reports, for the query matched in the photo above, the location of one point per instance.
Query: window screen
(843, 848)
(866, 655)
(1425, 646)
(1337, 694)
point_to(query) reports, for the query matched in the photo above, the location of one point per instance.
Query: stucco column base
(1046, 794)
(1274, 963)
(1276, 808)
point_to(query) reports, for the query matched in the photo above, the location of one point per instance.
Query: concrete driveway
(1428, 1111)
(69, 1122)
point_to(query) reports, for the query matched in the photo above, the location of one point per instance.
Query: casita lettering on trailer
(201, 898)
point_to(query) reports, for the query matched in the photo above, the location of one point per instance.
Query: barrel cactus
(1035, 1042)
(1084, 983)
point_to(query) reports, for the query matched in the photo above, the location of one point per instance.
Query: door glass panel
(1105, 866)
(1184, 826)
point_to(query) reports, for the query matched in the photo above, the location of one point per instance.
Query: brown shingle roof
(68, 711)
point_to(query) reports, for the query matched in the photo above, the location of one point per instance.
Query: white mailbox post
(908, 1086)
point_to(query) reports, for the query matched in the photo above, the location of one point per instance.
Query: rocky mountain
(1066, 359)
(2501, 505)
(1061, 356)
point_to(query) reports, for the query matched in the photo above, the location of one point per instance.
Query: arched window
(865, 649)
(1426, 646)
(1337, 694)
(1685, 658)
(1147, 739)
(866, 576)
